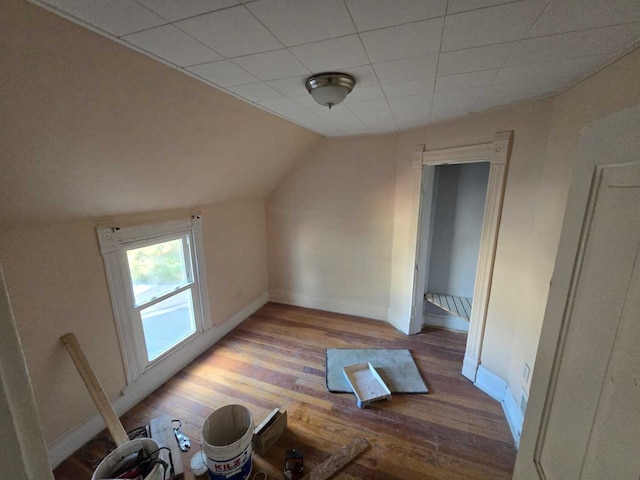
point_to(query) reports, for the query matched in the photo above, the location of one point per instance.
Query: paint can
(226, 443)
(110, 462)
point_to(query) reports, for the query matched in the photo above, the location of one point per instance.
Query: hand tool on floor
(335, 462)
(117, 431)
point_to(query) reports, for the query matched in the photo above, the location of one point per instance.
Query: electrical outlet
(524, 399)
(526, 371)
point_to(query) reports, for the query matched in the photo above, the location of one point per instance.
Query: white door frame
(497, 153)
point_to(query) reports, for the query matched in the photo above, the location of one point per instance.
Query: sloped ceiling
(415, 61)
(89, 127)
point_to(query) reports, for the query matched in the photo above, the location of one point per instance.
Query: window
(157, 290)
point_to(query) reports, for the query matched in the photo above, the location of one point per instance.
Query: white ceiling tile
(224, 73)
(575, 44)
(295, 22)
(458, 107)
(544, 70)
(370, 14)
(410, 100)
(464, 81)
(410, 40)
(291, 87)
(490, 25)
(173, 45)
(411, 111)
(521, 89)
(231, 32)
(305, 100)
(452, 96)
(118, 17)
(272, 65)
(569, 15)
(172, 10)
(411, 122)
(475, 59)
(256, 92)
(369, 106)
(457, 6)
(407, 69)
(281, 105)
(484, 103)
(330, 114)
(338, 53)
(303, 115)
(441, 116)
(412, 87)
(360, 94)
(365, 76)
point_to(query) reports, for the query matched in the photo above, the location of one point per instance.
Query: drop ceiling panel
(570, 15)
(338, 53)
(545, 70)
(485, 26)
(172, 10)
(231, 32)
(598, 41)
(412, 87)
(272, 65)
(173, 45)
(414, 61)
(295, 22)
(407, 69)
(475, 59)
(118, 17)
(410, 40)
(223, 74)
(371, 14)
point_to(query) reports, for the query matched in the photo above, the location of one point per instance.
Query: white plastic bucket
(226, 443)
(105, 469)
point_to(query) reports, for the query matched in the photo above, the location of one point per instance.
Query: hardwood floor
(277, 358)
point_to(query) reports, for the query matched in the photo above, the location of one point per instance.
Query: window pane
(167, 323)
(156, 270)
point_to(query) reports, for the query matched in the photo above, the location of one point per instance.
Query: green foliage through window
(157, 264)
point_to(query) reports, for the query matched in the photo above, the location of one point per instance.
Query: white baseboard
(470, 368)
(493, 385)
(349, 308)
(514, 416)
(450, 322)
(132, 394)
(498, 388)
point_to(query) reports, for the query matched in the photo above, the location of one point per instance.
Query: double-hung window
(158, 289)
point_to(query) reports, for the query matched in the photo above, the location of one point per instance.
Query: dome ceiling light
(330, 89)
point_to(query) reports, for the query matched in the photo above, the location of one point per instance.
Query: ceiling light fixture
(330, 89)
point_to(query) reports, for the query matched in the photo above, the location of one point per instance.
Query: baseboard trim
(493, 385)
(449, 322)
(348, 308)
(498, 388)
(470, 368)
(65, 445)
(514, 416)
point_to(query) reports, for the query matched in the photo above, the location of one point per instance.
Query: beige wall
(89, 127)
(56, 281)
(331, 225)
(613, 89)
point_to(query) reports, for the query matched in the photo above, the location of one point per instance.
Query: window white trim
(114, 241)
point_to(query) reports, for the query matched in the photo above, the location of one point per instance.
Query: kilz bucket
(226, 443)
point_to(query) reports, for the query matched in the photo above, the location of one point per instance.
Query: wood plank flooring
(277, 358)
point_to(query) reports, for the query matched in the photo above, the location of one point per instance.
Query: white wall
(459, 208)
(331, 226)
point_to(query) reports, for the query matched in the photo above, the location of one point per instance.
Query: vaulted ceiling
(415, 61)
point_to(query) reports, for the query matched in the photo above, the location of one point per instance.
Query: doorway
(452, 243)
(496, 154)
